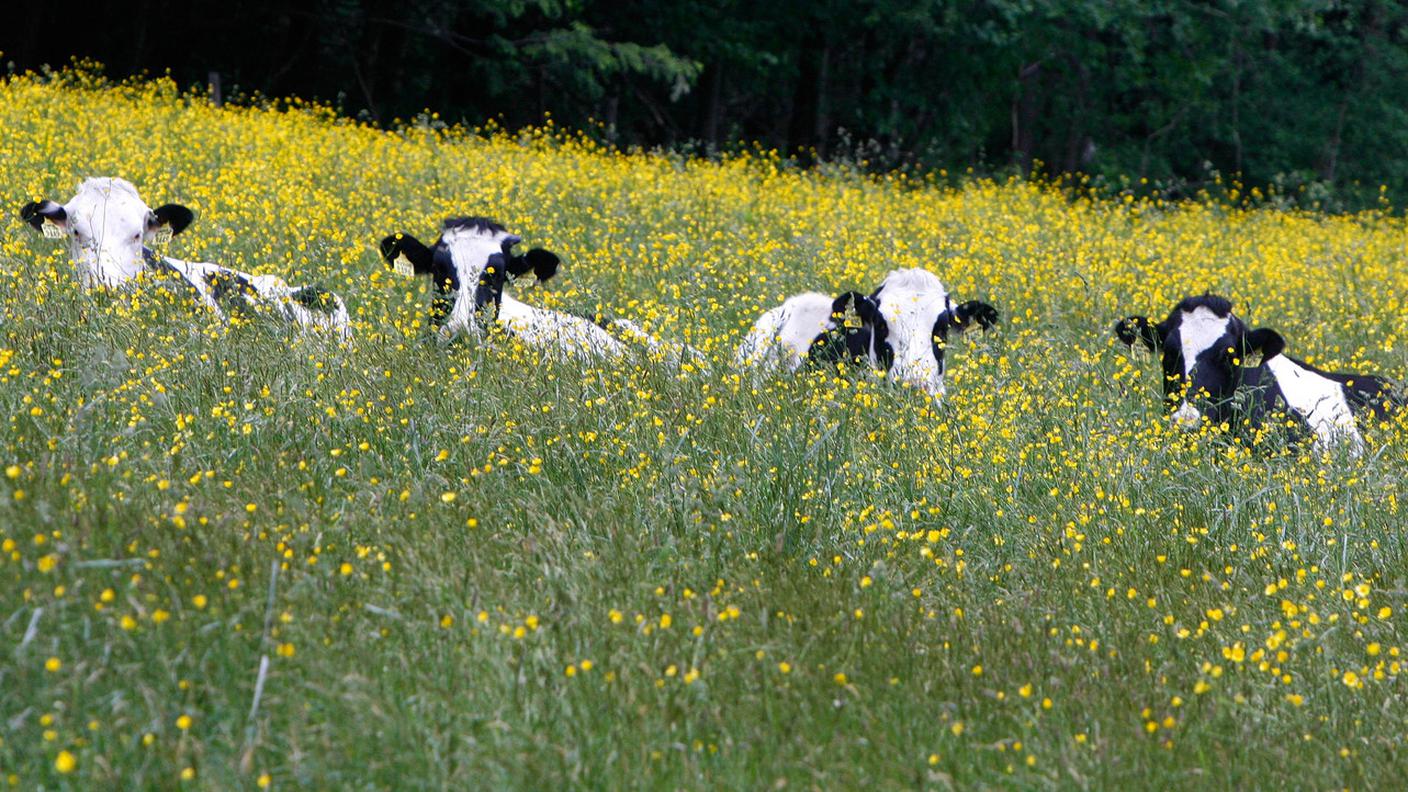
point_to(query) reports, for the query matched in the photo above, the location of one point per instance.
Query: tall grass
(470, 566)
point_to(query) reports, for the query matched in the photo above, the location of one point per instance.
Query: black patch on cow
(176, 216)
(316, 298)
(489, 291)
(225, 284)
(869, 310)
(447, 283)
(479, 224)
(36, 212)
(842, 342)
(595, 317)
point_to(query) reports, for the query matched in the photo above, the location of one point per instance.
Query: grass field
(471, 568)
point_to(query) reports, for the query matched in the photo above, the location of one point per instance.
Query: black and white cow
(902, 328)
(471, 263)
(1204, 347)
(109, 227)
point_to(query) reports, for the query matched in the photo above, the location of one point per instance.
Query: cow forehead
(110, 202)
(473, 236)
(1199, 330)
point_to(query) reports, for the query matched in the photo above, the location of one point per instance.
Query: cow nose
(1187, 417)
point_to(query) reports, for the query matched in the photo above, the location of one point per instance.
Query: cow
(470, 264)
(109, 229)
(902, 328)
(1205, 348)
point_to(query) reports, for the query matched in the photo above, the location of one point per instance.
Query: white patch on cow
(670, 351)
(911, 301)
(470, 249)
(783, 336)
(1319, 400)
(1198, 330)
(561, 334)
(272, 295)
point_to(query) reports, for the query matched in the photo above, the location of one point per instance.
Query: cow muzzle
(1186, 416)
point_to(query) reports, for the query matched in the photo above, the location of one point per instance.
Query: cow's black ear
(845, 311)
(37, 212)
(869, 310)
(1266, 341)
(1132, 328)
(173, 216)
(976, 310)
(543, 263)
(398, 250)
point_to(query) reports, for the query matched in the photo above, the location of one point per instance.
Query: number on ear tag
(162, 235)
(852, 320)
(52, 230)
(402, 266)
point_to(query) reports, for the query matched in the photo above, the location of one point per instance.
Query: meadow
(465, 566)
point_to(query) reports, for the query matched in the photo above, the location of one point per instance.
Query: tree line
(1308, 96)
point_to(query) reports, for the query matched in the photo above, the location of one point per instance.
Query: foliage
(1152, 96)
(470, 566)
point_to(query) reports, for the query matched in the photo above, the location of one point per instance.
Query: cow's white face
(106, 224)
(911, 302)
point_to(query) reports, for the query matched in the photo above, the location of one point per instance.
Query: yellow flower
(65, 762)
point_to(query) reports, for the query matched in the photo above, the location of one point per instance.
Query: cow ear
(544, 263)
(405, 255)
(172, 217)
(976, 310)
(845, 311)
(1132, 328)
(1264, 340)
(46, 217)
(869, 310)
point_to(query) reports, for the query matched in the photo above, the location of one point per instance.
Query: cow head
(469, 265)
(107, 226)
(920, 315)
(1204, 348)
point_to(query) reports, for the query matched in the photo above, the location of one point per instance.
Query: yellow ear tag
(402, 266)
(52, 230)
(162, 235)
(853, 321)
